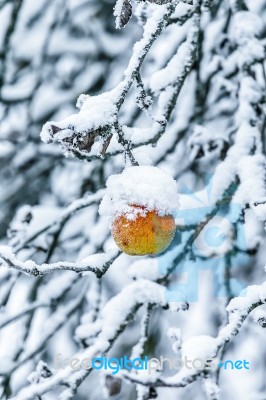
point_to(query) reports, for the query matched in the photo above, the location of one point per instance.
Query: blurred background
(51, 51)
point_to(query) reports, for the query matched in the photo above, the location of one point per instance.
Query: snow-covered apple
(141, 202)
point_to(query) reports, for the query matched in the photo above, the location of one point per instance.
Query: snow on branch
(56, 321)
(249, 119)
(112, 321)
(180, 64)
(81, 131)
(66, 214)
(51, 298)
(122, 12)
(97, 263)
(205, 347)
(199, 52)
(120, 310)
(87, 135)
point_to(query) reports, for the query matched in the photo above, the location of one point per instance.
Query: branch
(238, 309)
(112, 321)
(55, 323)
(31, 268)
(56, 225)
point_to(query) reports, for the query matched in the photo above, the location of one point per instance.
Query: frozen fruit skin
(149, 234)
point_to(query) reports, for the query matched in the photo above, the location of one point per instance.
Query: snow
(245, 25)
(40, 373)
(247, 134)
(151, 26)
(252, 295)
(211, 389)
(144, 269)
(167, 76)
(253, 231)
(182, 9)
(259, 316)
(201, 138)
(6, 149)
(176, 68)
(118, 11)
(32, 268)
(56, 287)
(21, 90)
(95, 112)
(50, 58)
(251, 170)
(119, 307)
(203, 347)
(96, 261)
(216, 238)
(143, 186)
(175, 335)
(239, 308)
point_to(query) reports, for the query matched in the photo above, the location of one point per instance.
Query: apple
(145, 234)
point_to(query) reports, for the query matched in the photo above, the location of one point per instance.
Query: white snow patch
(246, 25)
(143, 186)
(203, 347)
(95, 112)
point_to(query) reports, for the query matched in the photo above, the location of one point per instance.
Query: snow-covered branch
(112, 321)
(78, 134)
(173, 124)
(238, 310)
(98, 264)
(60, 221)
